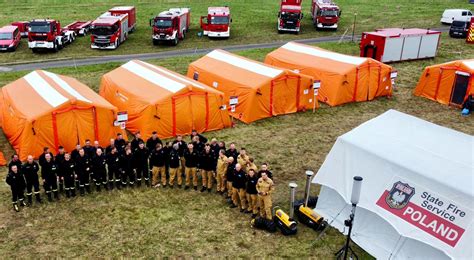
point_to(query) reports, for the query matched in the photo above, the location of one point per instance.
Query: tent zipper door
(280, 94)
(61, 120)
(459, 90)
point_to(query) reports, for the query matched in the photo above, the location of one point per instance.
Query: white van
(449, 15)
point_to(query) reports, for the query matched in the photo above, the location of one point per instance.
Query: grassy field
(178, 223)
(253, 21)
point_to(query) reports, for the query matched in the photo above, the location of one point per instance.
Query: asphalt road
(167, 54)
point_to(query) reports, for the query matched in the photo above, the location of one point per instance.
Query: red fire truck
(47, 34)
(23, 27)
(217, 22)
(170, 25)
(325, 14)
(290, 15)
(111, 29)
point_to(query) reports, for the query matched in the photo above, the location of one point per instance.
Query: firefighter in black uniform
(83, 170)
(89, 149)
(191, 163)
(17, 184)
(141, 155)
(41, 158)
(153, 141)
(99, 168)
(232, 152)
(113, 167)
(109, 147)
(207, 168)
(58, 159)
(120, 143)
(157, 166)
(198, 145)
(182, 146)
(30, 171)
(174, 161)
(127, 166)
(136, 141)
(67, 169)
(49, 172)
(97, 147)
(15, 161)
(75, 152)
(202, 139)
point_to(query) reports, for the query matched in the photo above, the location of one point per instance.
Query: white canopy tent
(417, 195)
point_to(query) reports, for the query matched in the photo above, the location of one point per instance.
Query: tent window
(196, 75)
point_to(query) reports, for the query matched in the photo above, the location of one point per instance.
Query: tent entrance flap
(282, 91)
(190, 108)
(460, 87)
(74, 125)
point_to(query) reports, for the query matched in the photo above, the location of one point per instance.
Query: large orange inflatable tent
(44, 109)
(448, 83)
(343, 78)
(260, 90)
(158, 99)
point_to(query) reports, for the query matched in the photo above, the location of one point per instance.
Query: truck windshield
(6, 36)
(160, 23)
(461, 24)
(329, 13)
(40, 27)
(219, 20)
(104, 30)
(290, 16)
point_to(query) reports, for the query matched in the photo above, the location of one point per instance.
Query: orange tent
(254, 90)
(45, 109)
(448, 83)
(158, 99)
(343, 78)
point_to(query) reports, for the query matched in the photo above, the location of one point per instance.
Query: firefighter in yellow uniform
(221, 171)
(243, 159)
(265, 189)
(251, 166)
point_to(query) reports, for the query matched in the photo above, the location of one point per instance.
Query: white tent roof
(408, 158)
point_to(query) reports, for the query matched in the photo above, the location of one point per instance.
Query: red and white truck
(325, 14)
(217, 22)
(111, 29)
(23, 27)
(81, 28)
(170, 26)
(48, 34)
(290, 15)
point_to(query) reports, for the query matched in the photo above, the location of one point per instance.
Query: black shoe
(196, 188)
(242, 210)
(164, 186)
(254, 215)
(50, 198)
(88, 189)
(229, 200)
(171, 186)
(38, 198)
(209, 190)
(202, 189)
(186, 187)
(30, 199)
(81, 191)
(15, 207)
(22, 203)
(233, 206)
(68, 194)
(248, 212)
(73, 193)
(97, 188)
(56, 195)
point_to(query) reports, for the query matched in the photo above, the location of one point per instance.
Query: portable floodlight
(356, 188)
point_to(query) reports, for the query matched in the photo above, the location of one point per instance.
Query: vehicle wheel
(55, 47)
(155, 42)
(175, 41)
(116, 44)
(184, 34)
(34, 50)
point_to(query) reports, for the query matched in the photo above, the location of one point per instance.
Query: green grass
(253, 21)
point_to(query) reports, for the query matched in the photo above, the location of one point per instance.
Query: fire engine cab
(170, 25)
(290, 15)
(217, 22)
(325, 14)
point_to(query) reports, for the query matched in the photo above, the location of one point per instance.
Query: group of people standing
(125, 164)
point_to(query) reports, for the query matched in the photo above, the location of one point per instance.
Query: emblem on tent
(399, 196)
